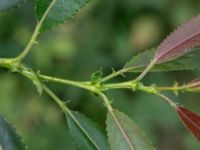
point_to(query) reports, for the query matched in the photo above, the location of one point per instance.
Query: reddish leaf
(191, 120)
(194, 83)
(180, 42)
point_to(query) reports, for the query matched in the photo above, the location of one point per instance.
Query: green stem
(132, 84)
(66, 110)
(115, 74)
(179, 88)
(121, 85)
(166, 99)
(24, 53)
(84, 85)
(7, 63)
(146, 70)
(128, 69)
(112, 86)
(23, 70)
(54, 97)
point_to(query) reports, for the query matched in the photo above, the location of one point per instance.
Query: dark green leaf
(87, 134)
(132, 131)
(5, 4)
(185, 62)
(62, 11)
(9, 139)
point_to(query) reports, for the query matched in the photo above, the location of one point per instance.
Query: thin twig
(35, 33)
(166, 99)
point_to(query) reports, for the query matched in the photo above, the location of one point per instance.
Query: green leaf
(132, 131)
(87, 134)
(62, 11)
(186, 62)
(9, 139)
(5, 4)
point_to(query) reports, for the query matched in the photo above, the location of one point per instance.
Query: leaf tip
(190, 119)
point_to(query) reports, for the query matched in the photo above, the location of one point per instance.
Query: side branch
(24, 53)
(84, 85)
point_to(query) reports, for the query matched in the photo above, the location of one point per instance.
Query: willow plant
(179, 51)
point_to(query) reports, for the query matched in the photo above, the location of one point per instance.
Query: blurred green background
(106, 33)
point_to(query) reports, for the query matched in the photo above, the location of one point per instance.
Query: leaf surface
(9, 139)
(186, 62)
(62, 11)
(131, 129)
(191, 120)
(87, 134)
(180, 42)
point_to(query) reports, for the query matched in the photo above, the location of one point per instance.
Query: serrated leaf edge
(13, 7)
(141, 131)
(131, 69)
(64, 21)
(181, 42)
(14, 130)
(82, 128)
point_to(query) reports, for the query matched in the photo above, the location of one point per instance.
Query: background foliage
(105, 34)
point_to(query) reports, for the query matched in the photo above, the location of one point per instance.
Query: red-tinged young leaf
(179, 42)
(195, 80)
(193, 86)
(194, 83)
(191, 120)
